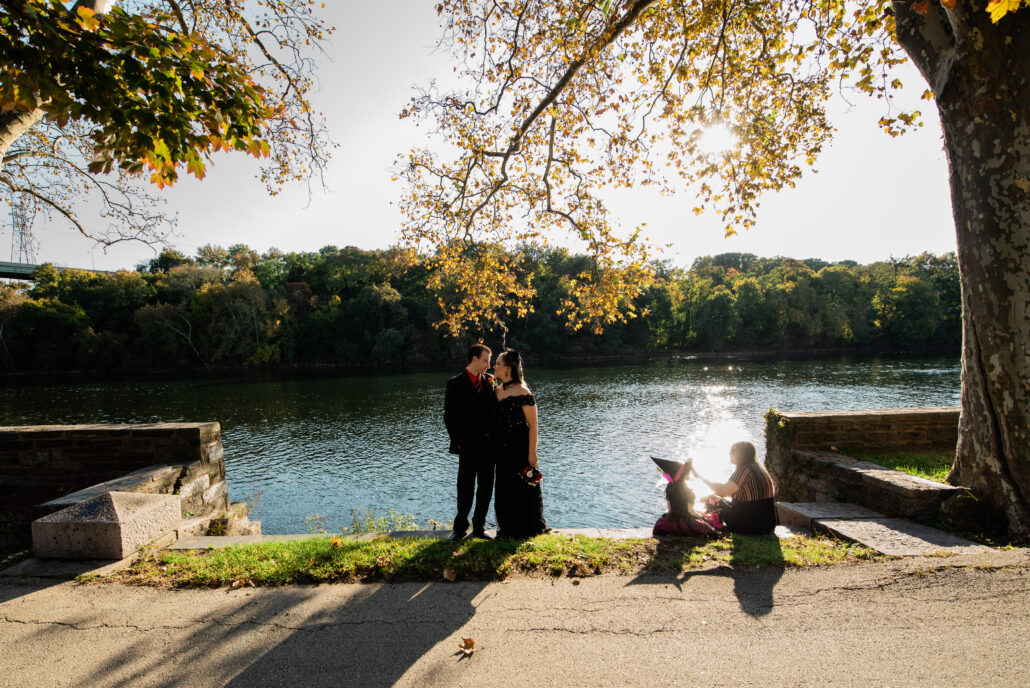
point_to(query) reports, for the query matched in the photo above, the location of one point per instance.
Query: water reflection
(326, 446)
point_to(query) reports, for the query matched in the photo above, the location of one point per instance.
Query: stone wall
(912, 428)
(806, 453)
(54, 466)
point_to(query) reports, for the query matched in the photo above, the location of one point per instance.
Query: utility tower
(23, 245)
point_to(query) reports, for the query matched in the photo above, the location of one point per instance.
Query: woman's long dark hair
(746, 455)
(513, 359)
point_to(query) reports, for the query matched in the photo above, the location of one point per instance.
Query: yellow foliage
(562, 102)
(999, 8)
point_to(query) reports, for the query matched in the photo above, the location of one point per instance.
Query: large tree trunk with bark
(980, 75)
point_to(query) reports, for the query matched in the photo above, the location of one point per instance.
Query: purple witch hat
(674, 471)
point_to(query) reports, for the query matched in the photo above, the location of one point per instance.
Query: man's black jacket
(467, 413)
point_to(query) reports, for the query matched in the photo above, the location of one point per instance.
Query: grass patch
(930, 465)
(335, 559)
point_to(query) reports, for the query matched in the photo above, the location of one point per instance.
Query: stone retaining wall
(806, 453)
(912, 428)
(66, 464)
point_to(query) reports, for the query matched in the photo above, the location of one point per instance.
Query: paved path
(921, 621)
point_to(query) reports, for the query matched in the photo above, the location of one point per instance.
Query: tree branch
(928, 39)
(613, 31)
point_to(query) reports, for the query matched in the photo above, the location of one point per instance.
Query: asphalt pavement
(954, 621)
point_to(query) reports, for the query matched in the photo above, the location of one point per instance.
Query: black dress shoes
(457, 536)
(480, 535)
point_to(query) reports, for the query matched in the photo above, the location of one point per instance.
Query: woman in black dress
(518, 504)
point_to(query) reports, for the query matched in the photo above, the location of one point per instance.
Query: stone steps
(891, 536)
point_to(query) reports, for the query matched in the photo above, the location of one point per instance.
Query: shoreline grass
(388, 559)
(933, 466)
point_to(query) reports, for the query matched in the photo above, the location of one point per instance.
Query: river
(323, 446)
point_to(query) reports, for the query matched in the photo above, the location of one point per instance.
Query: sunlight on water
(328, 445)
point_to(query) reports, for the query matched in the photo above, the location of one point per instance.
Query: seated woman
(680, 519)
(753, 509)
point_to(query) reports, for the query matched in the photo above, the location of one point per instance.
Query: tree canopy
(557, 103)
(98, 101)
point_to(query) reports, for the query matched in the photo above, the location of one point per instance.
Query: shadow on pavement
(755, 567)
(372, 641)
(286, 637)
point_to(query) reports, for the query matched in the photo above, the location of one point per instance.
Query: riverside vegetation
(233, 307)
(344, 559)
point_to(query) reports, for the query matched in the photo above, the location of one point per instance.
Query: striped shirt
(752, 484)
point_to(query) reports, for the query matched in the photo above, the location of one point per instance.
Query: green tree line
(347, 306)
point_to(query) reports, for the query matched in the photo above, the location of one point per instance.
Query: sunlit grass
(930, 465)
(328, 559)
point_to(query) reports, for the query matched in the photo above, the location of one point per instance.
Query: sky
(873, 196)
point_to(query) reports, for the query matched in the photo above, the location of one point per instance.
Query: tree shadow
(371, 641)
(310, 635)
(755, 566)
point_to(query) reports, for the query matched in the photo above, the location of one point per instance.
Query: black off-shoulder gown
(519, 507)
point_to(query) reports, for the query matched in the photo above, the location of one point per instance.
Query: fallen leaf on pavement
(449, 574)
(467, 646)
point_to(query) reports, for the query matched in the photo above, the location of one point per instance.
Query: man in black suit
(466, 413)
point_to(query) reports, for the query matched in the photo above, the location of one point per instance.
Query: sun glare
(717, 139)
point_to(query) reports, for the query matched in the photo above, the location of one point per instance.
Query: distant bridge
(23, 271)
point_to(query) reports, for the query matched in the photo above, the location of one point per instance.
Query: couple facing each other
(492, 424)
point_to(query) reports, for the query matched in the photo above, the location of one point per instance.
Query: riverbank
(329, 559)
(913, 622)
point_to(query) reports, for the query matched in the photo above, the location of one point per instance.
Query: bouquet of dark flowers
(531, 476)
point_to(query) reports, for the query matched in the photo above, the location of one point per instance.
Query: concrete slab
(573, 532)
(803, 513)
(423, 534)
(787, 531)
(66, 569)
(136, 481)
(111, 526)
(897, 537)
(625, 533)
(206, 541)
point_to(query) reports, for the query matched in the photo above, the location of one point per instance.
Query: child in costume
(681, 519)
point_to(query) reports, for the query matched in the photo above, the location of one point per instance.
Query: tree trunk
(980, 75)
(14, 123)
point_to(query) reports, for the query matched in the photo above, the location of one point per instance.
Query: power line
(24, 247)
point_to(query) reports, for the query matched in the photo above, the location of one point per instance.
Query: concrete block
(110, 526)
(33, 458)
(212, 451)
(190, 527)
(900, 538)
(803, 513)
(785, 531)
(219, 492)
(194, 487)
(149, 479)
